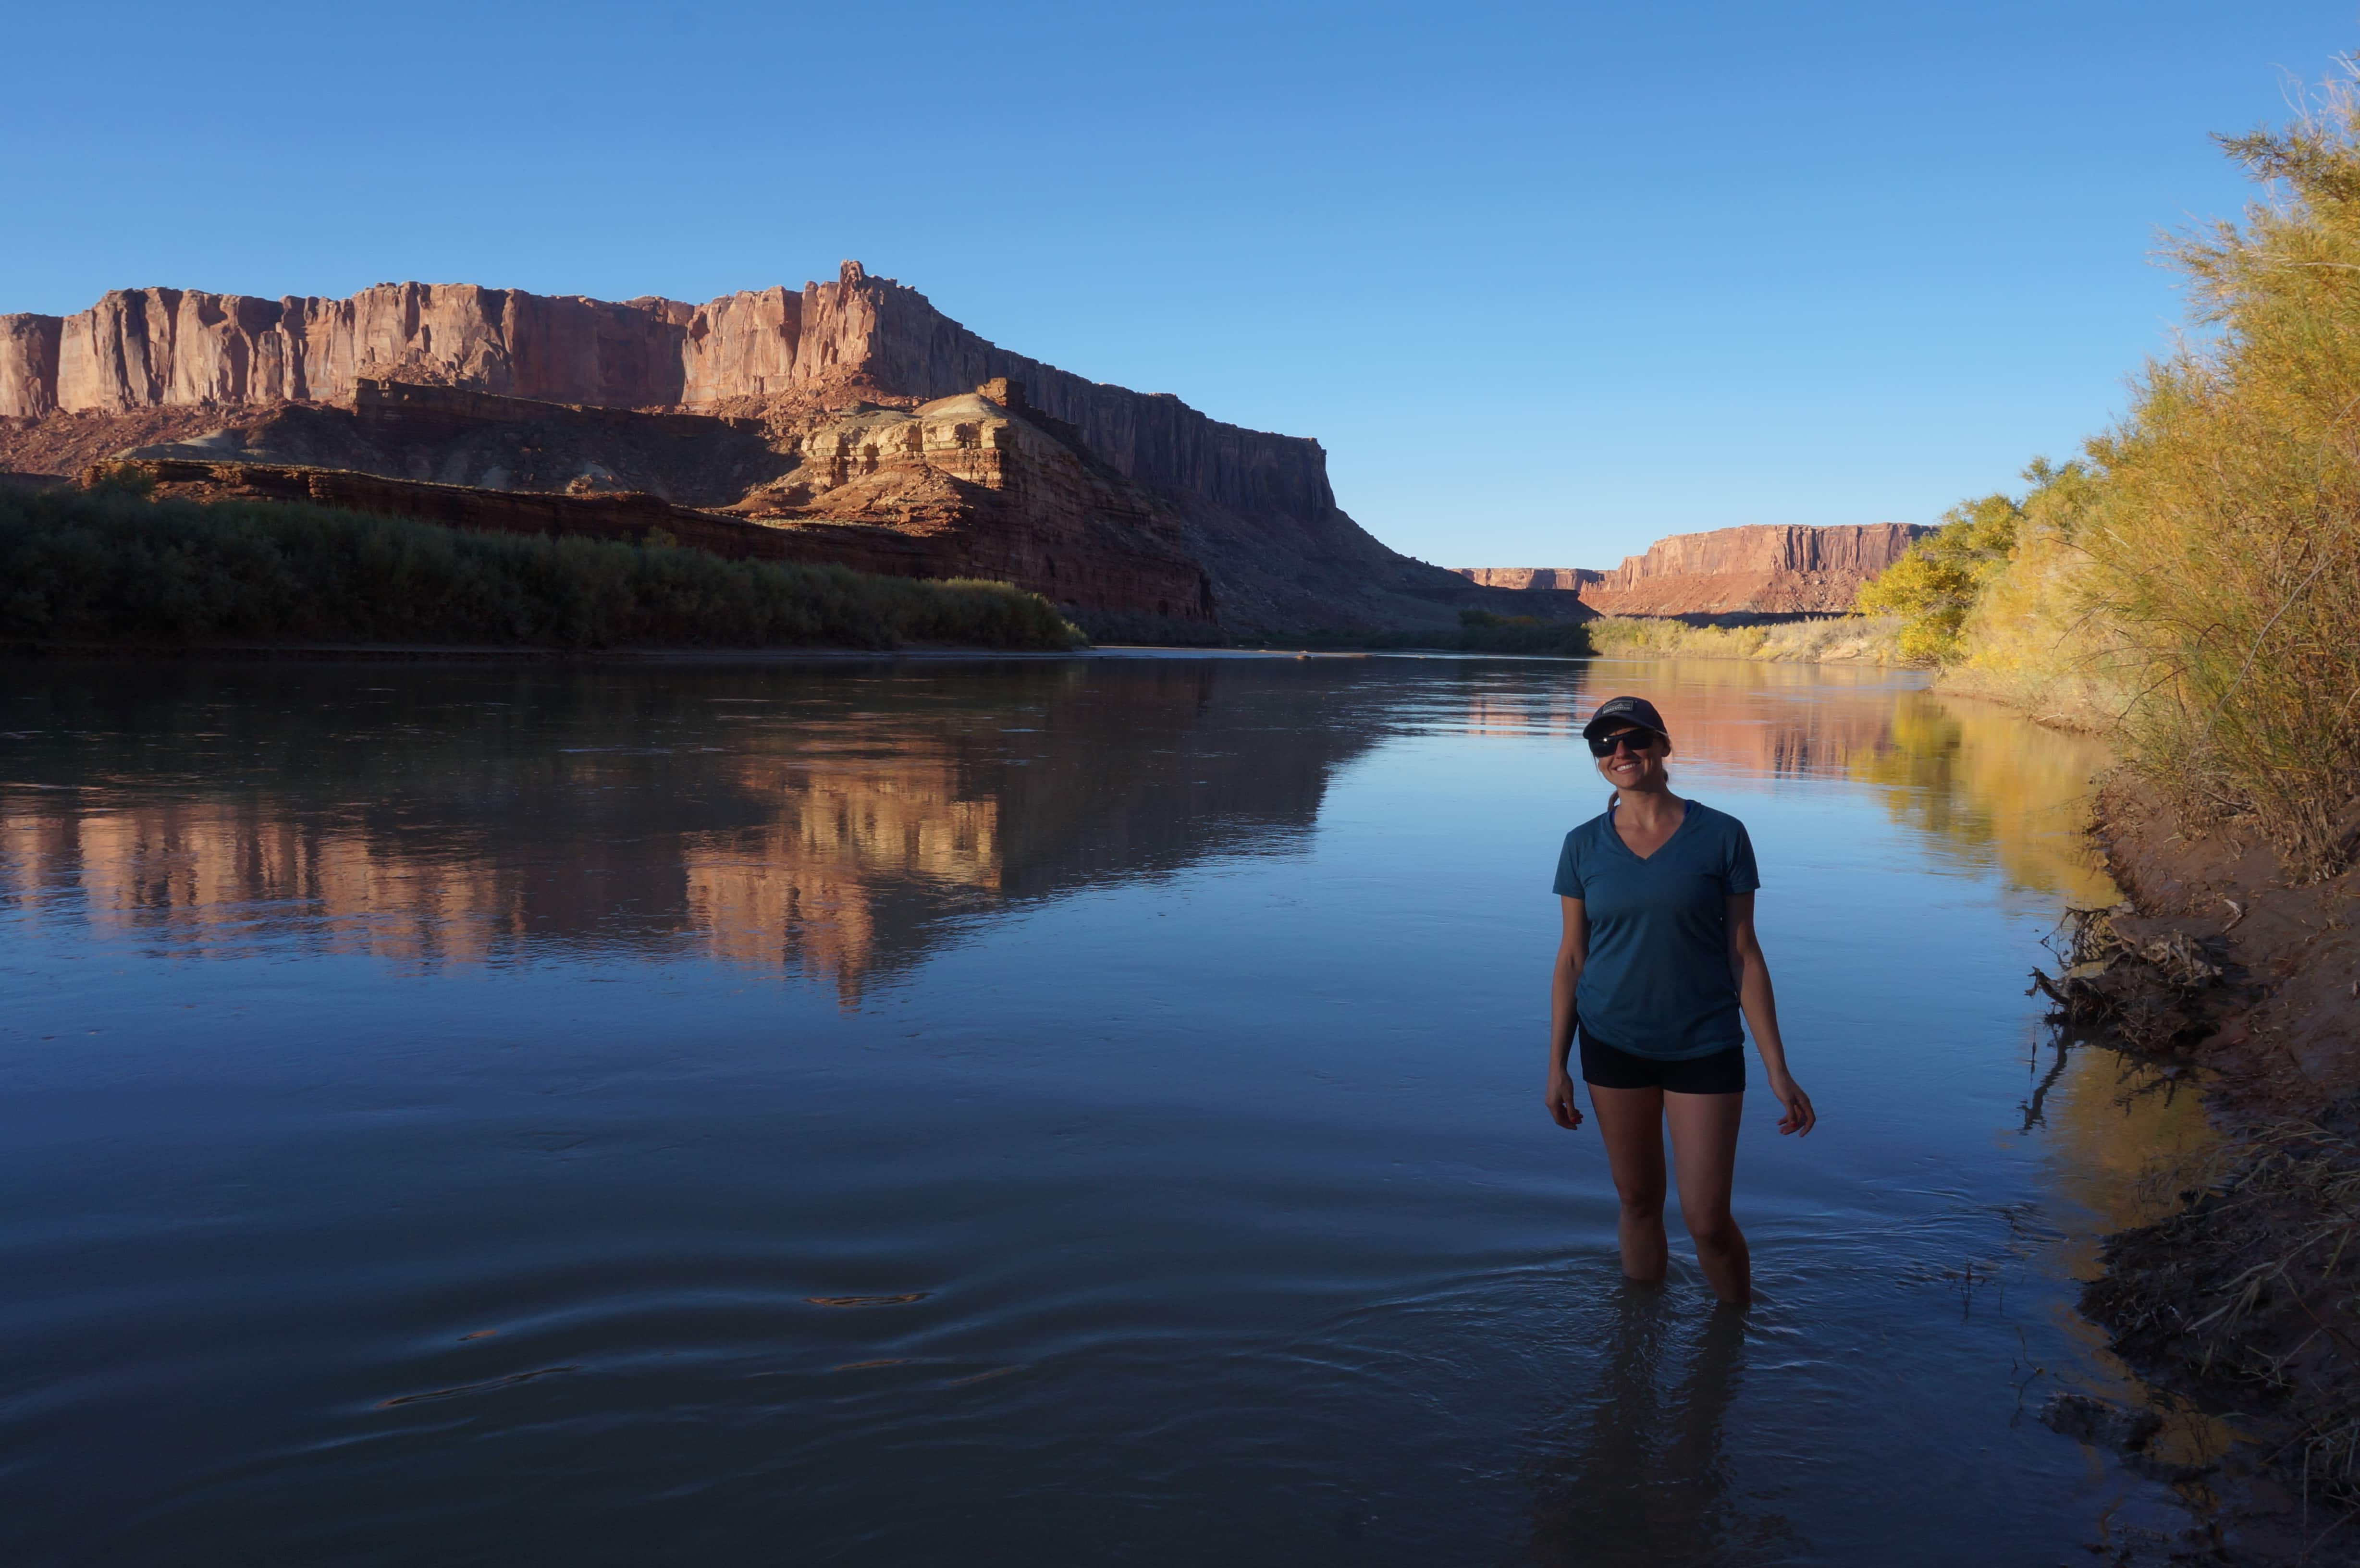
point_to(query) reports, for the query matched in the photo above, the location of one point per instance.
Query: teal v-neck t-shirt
(1657, 980)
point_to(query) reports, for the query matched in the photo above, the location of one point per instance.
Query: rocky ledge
(978, 485)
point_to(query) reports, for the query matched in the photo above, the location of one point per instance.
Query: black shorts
(1604, 1067)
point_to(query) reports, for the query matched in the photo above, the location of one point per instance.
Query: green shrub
(107, 565)
(1931, 589)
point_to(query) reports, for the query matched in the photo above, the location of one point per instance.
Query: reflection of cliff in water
(834, 820)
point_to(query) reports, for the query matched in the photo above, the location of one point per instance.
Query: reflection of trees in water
(836, 820)
(1990, 787)
(1640, 1476)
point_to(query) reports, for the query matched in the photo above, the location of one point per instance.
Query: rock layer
(971, 486)
(833, 342)
(1756, 571)
(1559, 578)
(143, 365)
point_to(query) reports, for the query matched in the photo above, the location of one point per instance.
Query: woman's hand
(1558, 1098)
(1799, 1116)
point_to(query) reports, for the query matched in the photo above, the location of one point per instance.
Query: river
(1028, 1110)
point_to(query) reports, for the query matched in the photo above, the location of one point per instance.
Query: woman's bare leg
(1704, 1158)
(1630, 1121)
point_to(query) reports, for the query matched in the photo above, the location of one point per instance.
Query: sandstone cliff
(832, 344)
(144, 366)
(971, 486)
(1756, 571)
(1562, 579)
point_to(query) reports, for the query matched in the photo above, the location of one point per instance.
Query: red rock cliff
(1761, 569)
(857, 337)
(1557, 578)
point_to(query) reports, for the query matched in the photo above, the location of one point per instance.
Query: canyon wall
(1561, 579)
(1860, 551)
(858, 337)
(1760, 570)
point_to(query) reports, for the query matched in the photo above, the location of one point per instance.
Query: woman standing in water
(1658, 963)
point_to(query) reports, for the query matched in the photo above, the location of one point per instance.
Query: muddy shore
(2245, 1301)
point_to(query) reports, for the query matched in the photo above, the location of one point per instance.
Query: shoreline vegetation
(110, 566)
(2190, 587)
(1478, 631)
(1821, 640)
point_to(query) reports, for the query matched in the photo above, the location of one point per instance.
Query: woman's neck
(1649, 809)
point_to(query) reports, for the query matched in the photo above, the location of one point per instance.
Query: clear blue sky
(1547, 280)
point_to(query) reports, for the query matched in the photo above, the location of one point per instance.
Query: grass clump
(1830, 640)
(110, 566)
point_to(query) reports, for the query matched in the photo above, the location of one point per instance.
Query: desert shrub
(2223, 543)
(108, 565)
(1931, 589)
(2033, 638)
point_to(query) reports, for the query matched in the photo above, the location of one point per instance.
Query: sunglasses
(1634, 741)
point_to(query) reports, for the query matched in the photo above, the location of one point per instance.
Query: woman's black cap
(1616, 711)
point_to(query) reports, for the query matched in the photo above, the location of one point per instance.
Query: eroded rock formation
(859, 337)
(1756, 571)
(144, 367)
(961, 487)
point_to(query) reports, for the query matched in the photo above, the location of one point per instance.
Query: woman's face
(1637, 763)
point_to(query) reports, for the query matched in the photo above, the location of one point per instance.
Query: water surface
(1080, 1110)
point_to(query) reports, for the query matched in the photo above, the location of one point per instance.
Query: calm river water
(1063, 1111)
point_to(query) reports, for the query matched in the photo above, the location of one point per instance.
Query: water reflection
(833, 824)
(1188, 1177)
(1984, 786)
(1641, 1476)
(838, 823)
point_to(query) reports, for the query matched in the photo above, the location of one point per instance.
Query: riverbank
(2219, 967)
(1832, 639)
(109, 567)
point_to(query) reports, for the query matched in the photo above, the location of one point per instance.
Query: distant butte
(1757, 572)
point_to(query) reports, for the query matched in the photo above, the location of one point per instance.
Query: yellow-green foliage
(1830, 640)
(111, 566)
(2195, 579)
(2223, 543)
(1930, 589)
(2031, 639)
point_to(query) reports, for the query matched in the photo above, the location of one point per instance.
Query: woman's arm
(1760, 1008)
(1572, 950)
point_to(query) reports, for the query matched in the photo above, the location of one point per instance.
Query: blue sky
(1547, 281)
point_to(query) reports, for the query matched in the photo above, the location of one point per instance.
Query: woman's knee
(1641, 1200)
(1711, 1227)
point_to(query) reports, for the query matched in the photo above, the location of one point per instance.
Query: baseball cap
(1617, 710)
